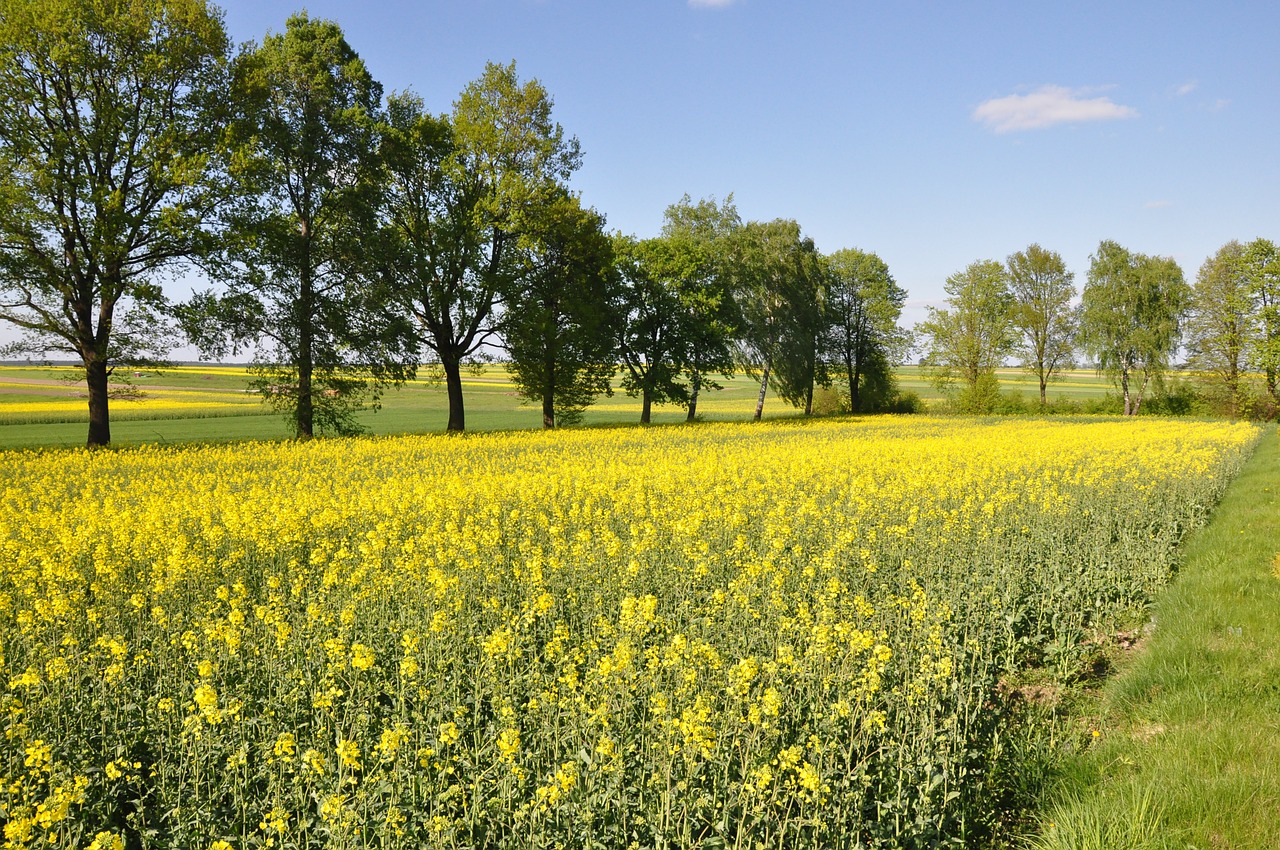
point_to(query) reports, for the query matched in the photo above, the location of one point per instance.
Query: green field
(42, 407)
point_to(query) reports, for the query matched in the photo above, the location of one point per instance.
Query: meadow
(790, 634)
(42, 407)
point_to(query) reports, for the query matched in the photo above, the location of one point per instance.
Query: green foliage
(780, 288)
(461, 192)
(1261, 261)
(704, 232)
(652, 327)
(972, 337)
(307, 161)
(556, 327)
(862, 341)
(1130, 317)
(110, 172)
(1042, 314)
(1220, 325)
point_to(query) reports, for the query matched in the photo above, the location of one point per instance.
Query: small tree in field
(973, 336)
(1131, 314)
(1042, 316)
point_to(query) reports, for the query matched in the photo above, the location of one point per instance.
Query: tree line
(356, 238)
(1134, 314)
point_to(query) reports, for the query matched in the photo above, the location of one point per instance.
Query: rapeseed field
(776, 635)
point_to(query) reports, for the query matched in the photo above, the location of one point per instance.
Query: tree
(778, 288)
(1261, 262)
(308, 126)
(1220, 321)
(973, 337)
(557, 324)
(109, 173)
(863, 305)
(462, 190)
(1130, 313)
(651, 323)
(703, 232)
(1042, 315)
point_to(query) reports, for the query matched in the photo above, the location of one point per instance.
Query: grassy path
(1187, 753)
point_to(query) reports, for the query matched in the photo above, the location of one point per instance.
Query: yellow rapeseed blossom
(789, 625)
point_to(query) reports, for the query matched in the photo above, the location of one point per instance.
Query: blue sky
(934, 134)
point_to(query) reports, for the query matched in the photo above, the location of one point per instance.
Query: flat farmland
(43, 407)
(796, 634)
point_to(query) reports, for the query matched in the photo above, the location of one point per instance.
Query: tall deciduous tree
(308, 124)
(1220, 322)
(863, 305)
(704, 232)
(109, 172)
(650, 321)
(969, 339)
(1042, 314)
(778, 288)
(462, 190)
(1131, 309)
(1261, 262)
(557, 326)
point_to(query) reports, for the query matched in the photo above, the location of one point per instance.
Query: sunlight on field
(785, 633)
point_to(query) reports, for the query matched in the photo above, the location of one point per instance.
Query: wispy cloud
(1157, 205)
(1186, 88)
(711, 4)
(1046, 107)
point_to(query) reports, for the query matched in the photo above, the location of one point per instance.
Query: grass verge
(1183, 747)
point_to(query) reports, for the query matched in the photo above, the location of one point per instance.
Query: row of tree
(1133, 316)
(355, 238)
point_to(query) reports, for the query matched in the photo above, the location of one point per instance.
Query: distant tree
(557, 326)
(1130, 317)
(863, 304)
(110, 172)
(778, 289)
(973, 336)
(704, 232)
(1042, 314)
(461, 192)
(1220, 322)
(308, 127)
(651, 324)
(1261, 261)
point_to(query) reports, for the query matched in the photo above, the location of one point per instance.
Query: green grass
(1188, 754)
(419, 407)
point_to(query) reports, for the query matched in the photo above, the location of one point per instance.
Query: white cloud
(710, 4)
(1157, 205)
(1186, 88)
(1047, 106)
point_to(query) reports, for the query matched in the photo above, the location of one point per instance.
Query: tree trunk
(1142, 388)
(646, 407)
(1124, 388)
(696, 383)
(549, 398)
(764, 387)
(453, 382)
(854, 368)
(95, 372)
(808, 400)
(304, 410)
(1044, 382)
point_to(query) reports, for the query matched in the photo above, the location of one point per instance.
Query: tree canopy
(1130, 317)
(111, 171)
